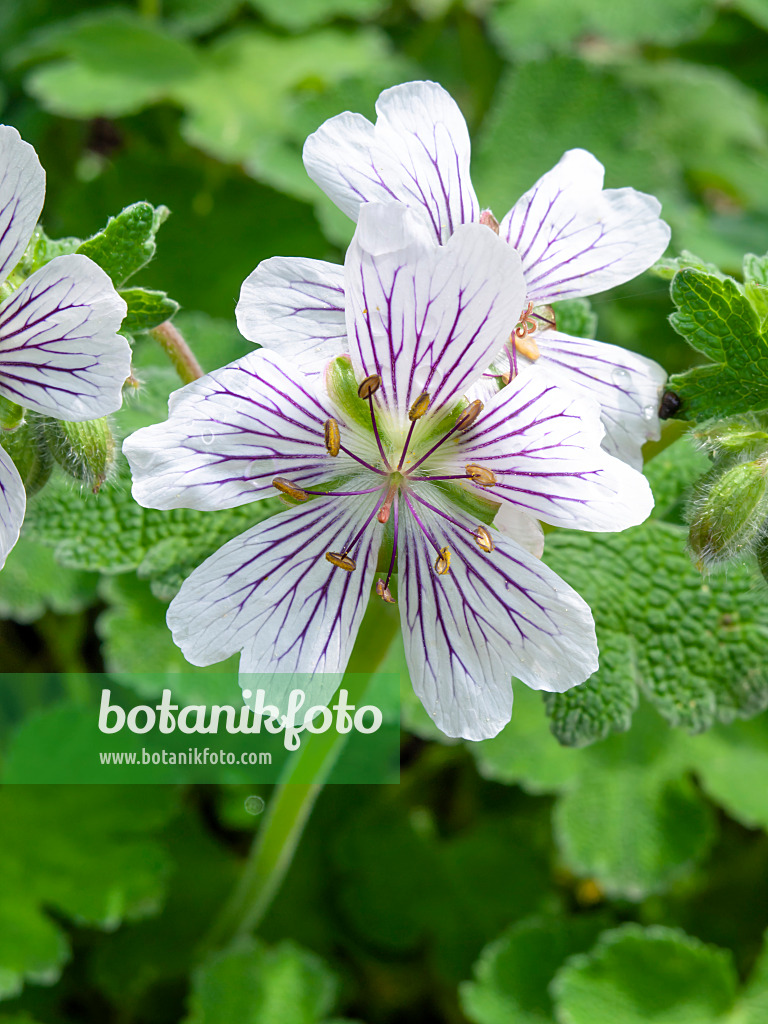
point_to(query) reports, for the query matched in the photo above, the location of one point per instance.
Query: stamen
(383, 515)
(482, 476)
(443, 562)
(483, 539)
(470, 414)
(454, 522)
(489, 221)
(419, 407)
(362, 462)
(286, 487)
(512, 353)
(527, 324)
(332, 437)
(369, 386)
(341, 560)
(394, 549)
(384, 592)
(528, 347)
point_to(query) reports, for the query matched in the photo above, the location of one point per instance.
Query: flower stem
(178, 351)
(292, 802)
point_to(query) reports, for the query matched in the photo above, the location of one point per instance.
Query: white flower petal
(426, 317)
(296, 308)
(542, 441)
(576, 239)
(490, 617)
(59, 351)
(520, 527)
(13, 501)
(22, 190)
(271, 594)
(418, 154)
(230, 433)
(627, 386)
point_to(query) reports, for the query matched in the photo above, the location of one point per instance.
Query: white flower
(573, 238)
(59, 351)
(381, 452)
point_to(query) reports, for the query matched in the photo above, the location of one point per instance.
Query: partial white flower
(59, 351)
(574, 239)
(382, 449)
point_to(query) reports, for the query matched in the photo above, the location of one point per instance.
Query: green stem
(178, 351)
(291, 805)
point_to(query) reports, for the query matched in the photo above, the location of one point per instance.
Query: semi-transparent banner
(165, 728)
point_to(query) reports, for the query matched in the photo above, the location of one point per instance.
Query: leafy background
(620, 874)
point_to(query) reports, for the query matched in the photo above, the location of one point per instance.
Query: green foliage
(127, 243)
(33, 582)
(719, 321)
(302, 14)
(146, 309)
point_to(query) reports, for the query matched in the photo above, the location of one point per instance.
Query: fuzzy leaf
(127, 243)
(146, 309)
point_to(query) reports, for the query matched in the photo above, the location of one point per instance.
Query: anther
(369, 386)
(487, 218)
(482, 476)
(332, 438)
(443, 562)
(419, 407)
(526, 346)
(286, 487)
(470, 414)
(341, 560)
(384, 593)
(483, 539)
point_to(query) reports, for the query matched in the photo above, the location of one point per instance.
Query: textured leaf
(646, 976)
(302, 14)
(31, 583)
(513, 973)
(146, 309)
(88, 853)
(254, 984)
(127, 243)
(576, 317)
(718, 320)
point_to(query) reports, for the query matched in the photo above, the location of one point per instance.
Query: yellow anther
(487, 218)
(369, 386)
(341, 560)
(383, 592)
(483, 539)
(470, 414)
(286, 487)
(526, 346)
(332, 439)
(419, 407)
(443, 562)
(482, 476)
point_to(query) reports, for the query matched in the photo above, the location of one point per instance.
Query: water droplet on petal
(649, 412)
(620, 377)
(254, 804)
(207, 438)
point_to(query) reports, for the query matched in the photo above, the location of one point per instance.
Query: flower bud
(85, 450)
(30, 454)
(728, 514)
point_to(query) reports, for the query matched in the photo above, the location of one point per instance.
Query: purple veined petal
(230, 433)
(22, 190)
(422, 316)
(59, 351)
(13, 501)
(271, 594)
(490, 617)
(576, 239)
(520, 527)
(626, 385)
(542, 441)
(417, 153)
(295, 306)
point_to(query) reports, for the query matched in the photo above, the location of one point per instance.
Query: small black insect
(670, 404)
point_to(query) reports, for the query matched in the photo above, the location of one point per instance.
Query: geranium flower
(574, 239)
(60, 354)
(384, 459)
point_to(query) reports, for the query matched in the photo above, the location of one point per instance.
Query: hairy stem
(178, 351)
(292, 802)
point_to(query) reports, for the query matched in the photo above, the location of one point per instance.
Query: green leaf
(513, 973)
(86, 852)
(146, 309)
(717, 320)
(255, 984)
(667, 268)
(302, 14)
(127, 243)
(32, 583)
(576, 317)
(756, 283)
(671, 474)
(646, 976)
(69, 89)
(530, 29)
